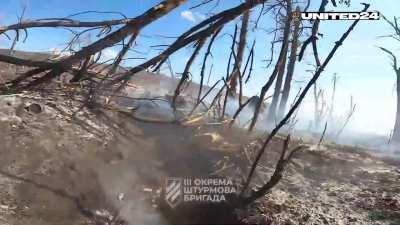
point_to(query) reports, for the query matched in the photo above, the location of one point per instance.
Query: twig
(321, 139)
(203, 67)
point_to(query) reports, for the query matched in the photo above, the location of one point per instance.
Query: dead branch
(281, 58)
(331, 108)
(272, 50)
(228, 72)
(203, 67)
(240, 78)
(251, 57)
(16, 38)
(76, 200)
(393, 58)
(204, 2)
(321, 139)
(239, 110)
(296, 105)
(278, 172)
(218, 95)
(185, 74)
(61, 22)
(271, 116)
(78, 76)
(290, 67)
(240, 52)
(115, 64)
(202, 30)
(132, 26)
(395, 26)
(314, 36)
(350, 113)
(204, 97)
(122, 54)
(319, 106)
(24, 62)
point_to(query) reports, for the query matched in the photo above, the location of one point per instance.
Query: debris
(121, 196)
(34, 108)
(208, 138)
(7, 207)
(104, 214)
(147, 190)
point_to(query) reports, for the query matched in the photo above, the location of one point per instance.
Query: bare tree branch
(203, 67)
(203, 29)
(61, 23)
(298, 102)
(281, 58)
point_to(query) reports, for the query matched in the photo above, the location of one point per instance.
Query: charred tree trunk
(277, 91)
(396, 28)
(282, 56)
(317, 104)
(290, 67)
(396, 129)
(133, 26)
(264, 189)
(200, 31)
(203, 67)
(240, 52)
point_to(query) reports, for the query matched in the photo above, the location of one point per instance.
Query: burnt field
(61, 164)
(199, 112)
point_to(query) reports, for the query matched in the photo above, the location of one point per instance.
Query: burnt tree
(271, 116)
(240, 52)
(290, 67)
(254, 194)
(396, 36)
(279, 63)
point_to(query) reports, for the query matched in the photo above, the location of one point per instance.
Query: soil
(53, 159)
(64, 164)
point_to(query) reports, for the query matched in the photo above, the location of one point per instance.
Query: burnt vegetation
(101, 81)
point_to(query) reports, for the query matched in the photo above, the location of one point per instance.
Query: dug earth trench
(64, 164)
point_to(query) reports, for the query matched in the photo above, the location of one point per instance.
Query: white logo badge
(173, 191)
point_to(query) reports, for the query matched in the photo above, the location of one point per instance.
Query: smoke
(120, 186)
(341, 127)
(245, 116)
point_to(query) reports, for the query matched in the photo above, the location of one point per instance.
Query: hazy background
(364, 71)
